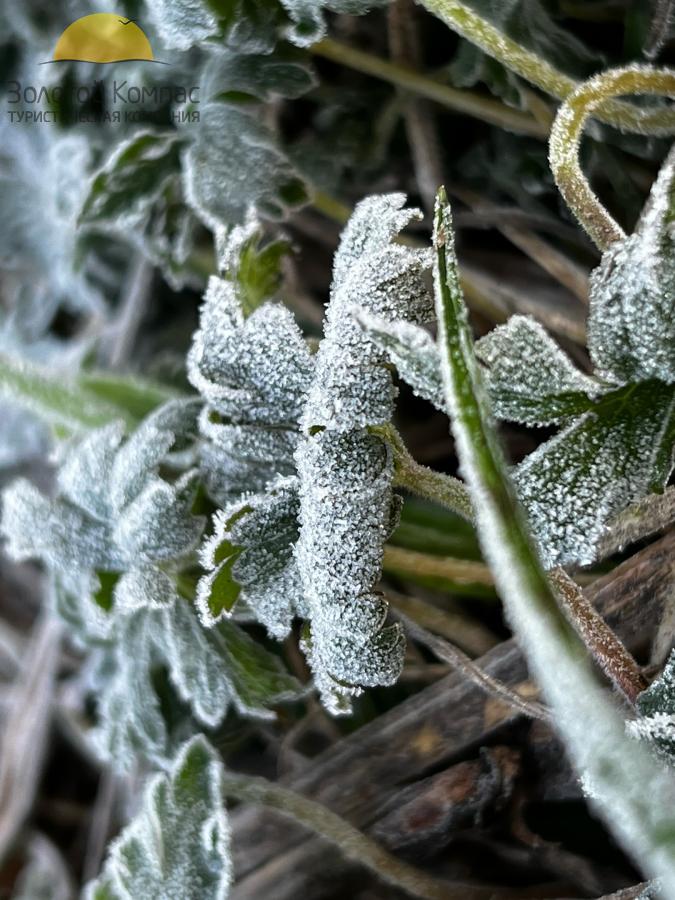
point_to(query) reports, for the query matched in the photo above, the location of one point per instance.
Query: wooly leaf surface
(238, 76)
(347, 507)
(178, 844)
(41, 191)
(252, 366)
(308, 16)
(137, 196)
(631, 332)
(250, 560)
(656, 708)
(113, 536)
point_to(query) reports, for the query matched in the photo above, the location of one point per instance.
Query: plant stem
(605, 647)
(353, 843)
(528, 65)
(331, 208)
(467, 102)
(423, 481)
(461, 571)
(460, 661)
(566, 136)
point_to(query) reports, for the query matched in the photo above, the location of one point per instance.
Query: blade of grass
(632, 790)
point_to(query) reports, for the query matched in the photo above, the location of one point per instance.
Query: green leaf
(89, 400)
(631, 327)
(258, 677)
(412, 350)
(656, 706)
(132, 179)
(631, 789)
(251, 557)
(61, 403)
(247, 26)
(259, 76)
(178, 845)
(252, 265)
(308, 16)
(529, 378)
(619, 451)
(234, 162)
(138, 397)
(219, 591)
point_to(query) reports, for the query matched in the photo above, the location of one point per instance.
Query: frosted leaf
(632, 790)
(656, 708)
(178, 844)
(85, 476)
(235, 162)
(596, 466)
(158, 523)
(130, 723)
(132, 180)
(197, 669)
(631, 330)
(412, 350)
(182, 23)
(285, 73)
(250, 370)
(352, 386)
(23, 437)
(239, 458)
(346, 474)
(143, 588)
(250, 262)
(308, 16)
(211, 670)
(73, 600)
(529, 378)
(250, 559)
(60, 534)
(42, 185)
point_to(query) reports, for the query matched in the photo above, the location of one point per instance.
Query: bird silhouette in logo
(103, 38)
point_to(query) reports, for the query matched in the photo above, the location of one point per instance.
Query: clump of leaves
(311, 544)
(617, 426)
(118, 539)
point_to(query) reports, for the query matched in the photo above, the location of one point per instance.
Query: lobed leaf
(250, 559)
(235, 162)
(631, 333)
(179, 841)
(530, 379)
(347, 506)
(618, 452)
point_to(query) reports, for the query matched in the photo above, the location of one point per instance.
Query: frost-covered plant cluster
(616, 426)
(194, 537)
(311, 543)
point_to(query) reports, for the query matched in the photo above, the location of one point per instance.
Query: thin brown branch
(474, 673)
(606, 648)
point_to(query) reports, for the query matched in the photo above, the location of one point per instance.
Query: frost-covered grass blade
(629, 785)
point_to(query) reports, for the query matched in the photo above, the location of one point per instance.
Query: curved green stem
(353, 843)
(422, 481)
(566, 136)
(528, 65)
(484, 108)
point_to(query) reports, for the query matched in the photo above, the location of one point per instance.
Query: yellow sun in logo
(103, 38)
